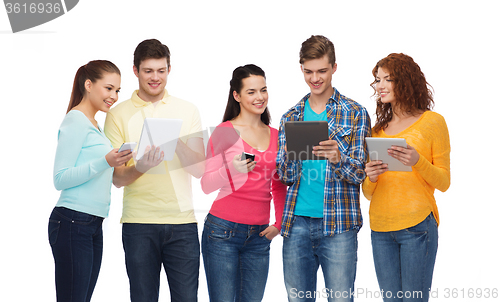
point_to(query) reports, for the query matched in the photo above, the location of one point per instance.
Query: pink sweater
(243, 197)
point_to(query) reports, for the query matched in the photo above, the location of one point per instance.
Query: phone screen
(127, 146)
(245, 156)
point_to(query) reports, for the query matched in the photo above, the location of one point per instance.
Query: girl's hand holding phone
(116, 159)
(243, 166)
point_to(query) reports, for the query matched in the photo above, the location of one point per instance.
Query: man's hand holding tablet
(328, 149)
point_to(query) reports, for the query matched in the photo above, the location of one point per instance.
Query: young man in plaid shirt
(322, 214)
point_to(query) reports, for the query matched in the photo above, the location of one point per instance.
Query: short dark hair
(150, 49)
(315, 48)
(236, 84)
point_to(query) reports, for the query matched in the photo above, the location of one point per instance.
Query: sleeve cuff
(102, 164)
(420, 163)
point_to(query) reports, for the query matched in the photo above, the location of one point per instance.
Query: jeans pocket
(267, 239)
(73, 216)
(83, 218)
(421, 228)
(54, 226)
(217, 232)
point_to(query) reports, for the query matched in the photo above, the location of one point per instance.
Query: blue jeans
(148, 246)
(236, 260)
(306, 249)
(404, 261)
(76, 242)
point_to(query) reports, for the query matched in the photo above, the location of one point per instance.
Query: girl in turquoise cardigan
(83, 171)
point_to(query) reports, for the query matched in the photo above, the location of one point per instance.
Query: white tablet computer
(161, 132)
(302, 136)
(377, 149)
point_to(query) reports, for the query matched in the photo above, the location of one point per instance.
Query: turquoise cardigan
(80, 168)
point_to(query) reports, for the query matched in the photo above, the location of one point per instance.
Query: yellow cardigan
(401, 200)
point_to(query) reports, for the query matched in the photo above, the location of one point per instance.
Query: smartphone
(127, 146)
(245, 156)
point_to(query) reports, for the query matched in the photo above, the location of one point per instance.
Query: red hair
(411, 90)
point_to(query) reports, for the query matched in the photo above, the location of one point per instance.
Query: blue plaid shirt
(348, 124)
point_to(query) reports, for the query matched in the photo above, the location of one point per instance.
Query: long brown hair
(411, 90)
(93, 71)
(233, 108)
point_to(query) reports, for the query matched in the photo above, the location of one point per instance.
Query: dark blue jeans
(404, 261)
(148, 246)
(76, 242)
(236, 260)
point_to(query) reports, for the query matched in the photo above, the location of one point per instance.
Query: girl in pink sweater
(237, 235)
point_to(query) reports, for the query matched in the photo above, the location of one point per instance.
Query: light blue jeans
(306, 249)
(236, 260)
(404, 261)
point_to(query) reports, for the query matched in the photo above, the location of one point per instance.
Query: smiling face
(384, 86)
(103, 93)
(253, 95)
(318, 76)
(152, 75)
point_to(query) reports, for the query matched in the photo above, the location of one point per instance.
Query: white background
(454, 42)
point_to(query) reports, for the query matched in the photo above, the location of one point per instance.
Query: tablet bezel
(377, 150)
(301, 136)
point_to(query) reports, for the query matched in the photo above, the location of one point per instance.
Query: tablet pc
(377, 149)
(161, 132)
(302, 136)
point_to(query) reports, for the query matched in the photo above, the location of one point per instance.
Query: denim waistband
(238, 227)
(73, 215)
